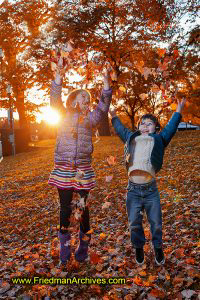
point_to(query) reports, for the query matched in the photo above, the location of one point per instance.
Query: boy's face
(83, 99)
(147, 126)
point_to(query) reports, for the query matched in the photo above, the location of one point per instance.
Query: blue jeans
(142, 197)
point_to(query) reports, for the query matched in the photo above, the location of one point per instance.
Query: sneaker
(139, 256)
(159, 256)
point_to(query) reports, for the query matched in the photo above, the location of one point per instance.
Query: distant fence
(22, 138)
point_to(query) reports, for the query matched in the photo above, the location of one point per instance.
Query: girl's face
(83, 99)
(147, 126)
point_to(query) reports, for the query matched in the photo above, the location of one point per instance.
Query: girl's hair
(152, 118)
(72, 96)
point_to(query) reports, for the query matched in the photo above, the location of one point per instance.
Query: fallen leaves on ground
(30, 216)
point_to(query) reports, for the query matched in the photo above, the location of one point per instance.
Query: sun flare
(49, 115)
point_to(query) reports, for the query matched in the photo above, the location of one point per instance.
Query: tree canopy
(154, 57)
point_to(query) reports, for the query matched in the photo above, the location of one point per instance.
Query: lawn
(29, 210)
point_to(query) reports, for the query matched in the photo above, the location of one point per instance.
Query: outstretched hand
(181, 104)
(106, 78)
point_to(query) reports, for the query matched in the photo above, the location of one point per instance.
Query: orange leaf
(142, 273)
(176, 54)
(157, 293)
(173, 106)
(102, 236)
(190, 260)
(95, 258)
(36, 255)
(137, 280)
(152, 278)
(122, 88)
(167, 277)
(111, 160)
(161, 52)
(90, 231)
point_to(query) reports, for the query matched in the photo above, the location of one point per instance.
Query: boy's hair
(72, 95)
(152, 118)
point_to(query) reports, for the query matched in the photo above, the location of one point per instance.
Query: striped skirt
(66, 176)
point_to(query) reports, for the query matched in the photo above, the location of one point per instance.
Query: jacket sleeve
(170, 129)
(102, 108)
(120, 129)
(55, 97)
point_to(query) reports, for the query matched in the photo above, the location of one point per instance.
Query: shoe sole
(138, 263)
(161, 263)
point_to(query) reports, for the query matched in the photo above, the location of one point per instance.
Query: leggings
(66, 197)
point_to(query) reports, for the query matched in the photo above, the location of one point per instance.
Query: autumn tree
(118, 32)
(20, 26)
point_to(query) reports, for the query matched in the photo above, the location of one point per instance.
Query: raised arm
(56, 90)
(120, 129)
(103, 106)
(170, 129)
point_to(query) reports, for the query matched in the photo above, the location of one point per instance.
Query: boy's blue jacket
(161, 139)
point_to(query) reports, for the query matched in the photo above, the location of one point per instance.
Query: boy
(144, 151)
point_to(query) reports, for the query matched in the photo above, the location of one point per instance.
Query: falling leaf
(77, 215)
(143, 96)
(67, 48)
(155, 88)
(106, 205)
(161, 52)
(173, 106)
(146, 72)
(109, 178)
(128, 157)
(82, 202)
(79, 174)
(111, 160)
(122, 89)
(176, 54)
(67, 243)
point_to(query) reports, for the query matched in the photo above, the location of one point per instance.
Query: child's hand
(180, 105)
(112, 112)
(106, 77)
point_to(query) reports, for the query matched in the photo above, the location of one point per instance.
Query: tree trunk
(104, 128)
(23, 134)
(21, 109)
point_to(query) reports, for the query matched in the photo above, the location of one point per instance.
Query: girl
(73, 172)
(144, 151)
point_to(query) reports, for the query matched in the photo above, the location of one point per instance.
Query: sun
(48, 115)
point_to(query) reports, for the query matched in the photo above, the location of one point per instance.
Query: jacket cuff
(113, 119)
(107, 92)
(56, 84)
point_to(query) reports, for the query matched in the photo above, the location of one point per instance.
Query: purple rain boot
(64, 247)
(82, 252)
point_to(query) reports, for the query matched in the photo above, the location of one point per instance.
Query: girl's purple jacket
(74, 138)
